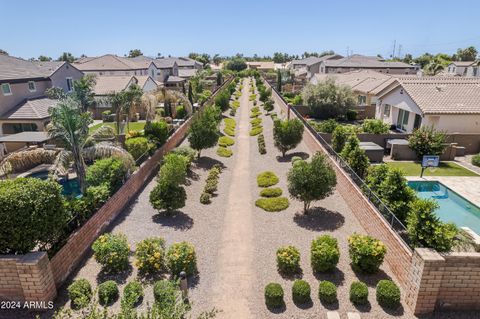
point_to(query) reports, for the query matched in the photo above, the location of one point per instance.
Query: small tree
(203, 132)
(309, 181)
(427, 141)
(425, 228)
(339, 138)
(219, 78)
(352, 144)
(190, 93)
(359, 162)
(376, 174)
(168, 196)
(396, 194)
(279, 81)
(287, 134)
(222, 100)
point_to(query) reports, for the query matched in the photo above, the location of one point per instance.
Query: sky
(31, 28)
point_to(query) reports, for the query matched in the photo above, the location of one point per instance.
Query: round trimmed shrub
(301, 292)
(157, 131)
(132, 294)
(267, 179)
(150, 255)
(80, 293)
(111, 171)
(272, 204)
(324, 253)
(288, 259)
(181, 257)
(111, 251)
(107, 292)
(205, 198)
(366, 253)
(327, 292)
(358, 293)
(181, 112)
(224, 152)
(274, 295)
(271, 192)
(388, 294)
(295, 159)
(211, 185)
(137, 147)
(476, 160)
(226, 141)
(165, 293)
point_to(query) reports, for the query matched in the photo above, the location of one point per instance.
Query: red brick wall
(399, 256)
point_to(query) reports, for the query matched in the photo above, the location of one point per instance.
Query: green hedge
(301, 292)
(327, 292)
(266, 179)
(271, 192)
(324, 253)
(110, 171)
(137, 147)
(388, 294)
(272, 204)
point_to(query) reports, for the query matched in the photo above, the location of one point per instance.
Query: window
(402, 120)
(31, 86)
(6, 90)
(418, 121)
(475, 71)
(153, 73)
(69, 84)
(362, 100)
(386, 110)
(13, 128)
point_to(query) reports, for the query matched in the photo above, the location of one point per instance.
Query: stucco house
(464, 68)
(362, 62)
(311, 65)
(261, 65)
(112, 65)
(449, 104)
(23, 105)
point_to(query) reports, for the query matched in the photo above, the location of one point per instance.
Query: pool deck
(467, 187)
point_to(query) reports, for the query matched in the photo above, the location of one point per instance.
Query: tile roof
(313, 60)
(142, 79)
(363, 81)
(174, 79)
(186, 73)
(32, 109)
(463, 63)
(164, 63)
(262, 64)
(111, 62)
(12, 68)
(111, 84)
(437, 95)
(362, 61)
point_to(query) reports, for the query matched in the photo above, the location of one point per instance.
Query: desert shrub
(300, 291)
(111, 171)
(156, 131)
(274, 295)
(358, 293)
(181, 112)
(252, 97)
(229, 131)
(272, 204)
(189, 153)
(358, 161)
(165, 293)
(271, 192)
(137, 146)
(224, 152)
(182, 257)
(256, 122)
(476, 160)
(31, 214)
(388, 294)
(375, 126)
(210, 186)
(288, 260)
(327, 126)
(132, 294)
(107, 292)
(150, 255)
(205, 198)
(324, 253)
(295, 159)
(256, 130)
(167, 196)
(261, 144)
(111, 251)
(222, 99)
(268, 106)
(287, 134)
(233, 111)
(327, 292)
(226, 141)
(86, 206)
(267, 179)
(229, 122)
(80, 293)
(339, 138)
(427, 141)
(366, 253)
(351, 115)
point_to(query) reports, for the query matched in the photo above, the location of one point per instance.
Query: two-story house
(362, 62)
(311, 65)
(464, 68)
(23, 105)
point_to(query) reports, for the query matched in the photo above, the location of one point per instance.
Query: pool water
(453, 207)
(70, 188)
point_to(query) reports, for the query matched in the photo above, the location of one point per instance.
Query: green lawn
(134, 126)
(445, 169)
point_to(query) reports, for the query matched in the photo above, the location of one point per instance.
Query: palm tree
(83, 91)
(434, 67)
(132, 99)
(149, 105)
(117, 100)
(170, 96)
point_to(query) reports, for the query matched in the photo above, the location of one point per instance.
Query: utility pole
(394, 45)
(348, 50)
(399, 51)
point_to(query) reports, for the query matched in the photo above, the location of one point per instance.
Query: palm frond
(106, 149)
(24, 160)
(62, 163)
(102, 133)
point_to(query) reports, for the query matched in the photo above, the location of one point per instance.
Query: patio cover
(25, 137)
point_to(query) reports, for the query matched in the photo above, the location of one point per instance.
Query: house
(363, 84)
(310, 65)
(451, 104)
(464, 68)
(112, 65)
(107, 85)
(23, 105)
(362, 62)
(261, 65)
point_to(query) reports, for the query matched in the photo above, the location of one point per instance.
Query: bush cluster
(182, 257)
(261, 144)
(324, 253)
(224, 151)
(150, 255)
(108, 171)
(358, 293)
(327, 126)
(137, 147)
(366, 253)
(274, 295)
(256, 130)
(301, 291)
(272, 204)
(226, 141)
(268, 105)
(210, 184)
(107, 292)
(165, 293)
(157, 131)
(266, 179)
(181, 112)
(375, 126)
(189, 153)
(132, 294)
(427, 141)
(476, 160)
(327, 292)
(288, 260)
(388, 294)
(80, 293)
(111, 251)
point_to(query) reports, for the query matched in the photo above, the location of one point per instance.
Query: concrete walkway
(235, 275)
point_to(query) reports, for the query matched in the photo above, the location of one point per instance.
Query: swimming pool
(70, 188)
(453, 207)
